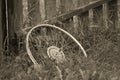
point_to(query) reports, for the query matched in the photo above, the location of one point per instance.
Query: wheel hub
(56, 54)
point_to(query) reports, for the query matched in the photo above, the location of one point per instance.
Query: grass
(102, 62)
(102, 46)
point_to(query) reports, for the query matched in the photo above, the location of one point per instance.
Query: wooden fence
(27, 13)
(105, 12)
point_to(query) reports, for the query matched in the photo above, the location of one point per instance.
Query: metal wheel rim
(51, 26)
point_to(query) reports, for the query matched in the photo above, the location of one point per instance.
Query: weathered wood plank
(17, 16)
(69, 5)
(75, 18)
(58, 6)
(91, 18)
(75, 23)
(80, 10)
(25, 13)
(118, 14)
(42, 9)
(50, 8)
(105, 15)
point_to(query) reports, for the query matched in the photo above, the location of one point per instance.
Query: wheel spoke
(43, 37)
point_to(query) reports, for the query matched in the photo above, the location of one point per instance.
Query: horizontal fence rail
(80, 10)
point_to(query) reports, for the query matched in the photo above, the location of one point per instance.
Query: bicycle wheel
(50, 45)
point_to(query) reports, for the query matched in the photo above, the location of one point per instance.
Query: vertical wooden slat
(68, 5)
(75, 18)
(58, 6)
(105, 15)
(25, 13)
(76, 23)
(50, 8)
(42, 9)
(118, 21)
(17, 14)
(118, 14)
(25, 22)
(81, 28)
(90, 16)
(34, 13)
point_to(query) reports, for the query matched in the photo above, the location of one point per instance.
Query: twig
(60, 73)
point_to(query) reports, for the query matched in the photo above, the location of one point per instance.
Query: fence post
(42, 9)
(90, 13)
(25, 13)
(75, 18)
(58, 6)
(118, 14)
(105, 15)
(91, 18)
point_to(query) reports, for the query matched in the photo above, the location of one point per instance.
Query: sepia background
(94, 23)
